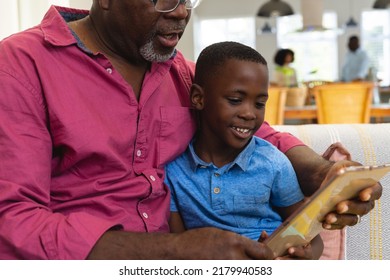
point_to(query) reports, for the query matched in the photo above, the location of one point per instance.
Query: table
(309, 112)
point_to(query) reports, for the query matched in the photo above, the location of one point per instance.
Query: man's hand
(347, 212)
(212, 243)
(336, 152)
(203, 243)
(313, 169)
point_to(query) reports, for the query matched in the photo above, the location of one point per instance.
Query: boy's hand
(263, 236)
(298, 253)
(310, 251)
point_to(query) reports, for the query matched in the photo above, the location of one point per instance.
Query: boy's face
(232, 104)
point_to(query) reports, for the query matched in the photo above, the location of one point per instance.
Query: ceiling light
(275, 8)
(351, 22)
(382, 4)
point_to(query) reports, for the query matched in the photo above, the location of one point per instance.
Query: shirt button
(109, 70)
(152, 178)
(145, 215)
(217, 190)
(217, 174)
(139, 153)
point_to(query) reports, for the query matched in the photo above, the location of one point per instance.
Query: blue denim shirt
(355, 66)
(237, 197)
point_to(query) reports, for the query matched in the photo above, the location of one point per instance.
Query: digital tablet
(306, 222)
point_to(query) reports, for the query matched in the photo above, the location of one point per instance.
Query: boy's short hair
(216, 54)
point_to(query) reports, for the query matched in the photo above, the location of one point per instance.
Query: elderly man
(93, 105)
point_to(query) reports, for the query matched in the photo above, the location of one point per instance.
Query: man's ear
(197, 96)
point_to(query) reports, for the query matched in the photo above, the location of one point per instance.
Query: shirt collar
(242, 160)
(54, 25)
(357, 51)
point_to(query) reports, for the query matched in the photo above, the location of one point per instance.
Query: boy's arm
(176, 223)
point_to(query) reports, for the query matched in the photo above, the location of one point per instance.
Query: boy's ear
(197, 97)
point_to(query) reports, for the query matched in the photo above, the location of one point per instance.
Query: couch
(368, 144)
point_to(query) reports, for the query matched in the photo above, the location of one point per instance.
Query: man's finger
(355, 207)
(372, 193)
(335, 221)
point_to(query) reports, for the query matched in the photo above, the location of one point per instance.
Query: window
(376, 41)
(212, 31)
(316, 52)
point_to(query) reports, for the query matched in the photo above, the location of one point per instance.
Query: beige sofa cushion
(368, 144)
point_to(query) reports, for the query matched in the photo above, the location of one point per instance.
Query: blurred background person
(356, 62)
(284, 74)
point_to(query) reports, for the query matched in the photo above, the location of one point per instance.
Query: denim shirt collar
(241, 161)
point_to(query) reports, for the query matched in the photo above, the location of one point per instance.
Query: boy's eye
(260, 105)
(234, 101)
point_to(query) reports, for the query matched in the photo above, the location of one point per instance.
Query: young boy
(229, 178)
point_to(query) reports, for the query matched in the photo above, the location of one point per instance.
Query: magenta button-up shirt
(78, 153)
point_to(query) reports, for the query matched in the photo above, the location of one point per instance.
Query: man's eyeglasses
(166, 6)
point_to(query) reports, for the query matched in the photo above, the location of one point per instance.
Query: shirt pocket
(248, 210)
(177, 129)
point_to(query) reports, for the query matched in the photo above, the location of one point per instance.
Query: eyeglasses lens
(166, 6)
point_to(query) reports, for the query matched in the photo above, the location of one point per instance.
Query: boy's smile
(243, 132)
(232, 109)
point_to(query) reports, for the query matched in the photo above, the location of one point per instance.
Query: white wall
(233, 8)
(31, 12)
(18, 15)
(80, 4)
(9, 22)
(209, 9)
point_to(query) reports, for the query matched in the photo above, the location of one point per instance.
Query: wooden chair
(343, 102)
(296, 96)
(274, 108)
(310, 85)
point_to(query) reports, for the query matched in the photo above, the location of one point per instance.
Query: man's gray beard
(148, 53)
